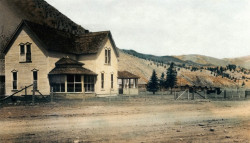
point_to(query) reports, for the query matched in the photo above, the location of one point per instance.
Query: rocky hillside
(203, 77)
(39, 11)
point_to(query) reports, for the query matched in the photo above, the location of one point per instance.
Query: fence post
(51, 95)
(25, 90)
(232, 94)
(175, 95)
(245, 93)
(33, 95)
(205, 92)
(225, 94)
(193, 94)
(188, 94)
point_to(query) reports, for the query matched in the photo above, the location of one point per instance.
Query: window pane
(56, 87)
(106, 56)
(21, 49)
(112, 80)
(14, 75)
(109, 56)
(70, 78)
(14, 84)
(78, 87)
(34, 75)
(70, 87)
(102, 84)
(89, 83)
(62, 87)
(28, 49)
(77, 78)
(28, 57)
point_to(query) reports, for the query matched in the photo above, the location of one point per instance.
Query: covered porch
(128, 83)
(70, 77)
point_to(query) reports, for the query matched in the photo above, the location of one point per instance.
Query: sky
(216, 28)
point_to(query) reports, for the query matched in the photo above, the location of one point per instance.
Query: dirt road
(136, 119)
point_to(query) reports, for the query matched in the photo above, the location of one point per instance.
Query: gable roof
(126, 75)
(65, 42)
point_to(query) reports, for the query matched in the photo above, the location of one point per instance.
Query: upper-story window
(107, 56)
(25, 52)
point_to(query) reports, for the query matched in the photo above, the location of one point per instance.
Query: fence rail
(230, 94)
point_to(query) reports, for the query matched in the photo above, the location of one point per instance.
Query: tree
(153, 84)
(162, 81)
(171, 77)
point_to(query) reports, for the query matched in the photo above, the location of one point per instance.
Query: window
(89, 83)
(25, 52)
(22, 51)
(102, 80)
(35, 79)
(14, 82)
(28, 53)
(74, 83)
(107, 56)
(58, 83)
(112, 81)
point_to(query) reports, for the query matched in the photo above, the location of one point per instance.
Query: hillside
(39, 11)
(241, 61)
(144, 68)
(204, 60)
(160, 59)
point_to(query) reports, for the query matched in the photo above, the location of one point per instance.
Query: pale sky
(217, 28)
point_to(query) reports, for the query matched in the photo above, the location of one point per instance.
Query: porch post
(134, 82)
(66, 86)
(82, 79)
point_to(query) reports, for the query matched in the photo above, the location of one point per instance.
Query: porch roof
(126, 75)
(71, 70)
(70, 66)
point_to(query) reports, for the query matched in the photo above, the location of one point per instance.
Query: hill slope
(204, 60)
(241, 61)
(144, 68)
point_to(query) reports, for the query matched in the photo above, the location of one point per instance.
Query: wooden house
(58, 60)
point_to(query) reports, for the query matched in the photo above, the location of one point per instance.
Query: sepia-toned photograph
(124, 71)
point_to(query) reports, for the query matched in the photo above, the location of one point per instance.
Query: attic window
(25, 52)
(107, 56)
(22, 51)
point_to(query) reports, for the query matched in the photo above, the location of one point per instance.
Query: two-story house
(61, 61)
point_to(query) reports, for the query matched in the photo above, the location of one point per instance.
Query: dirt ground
(127, 119)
